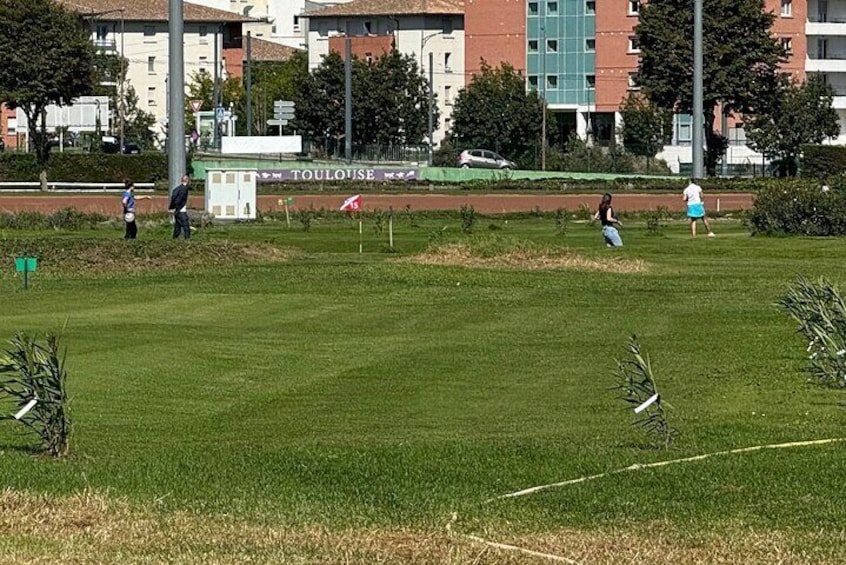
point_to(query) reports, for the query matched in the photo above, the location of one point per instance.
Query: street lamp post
(431, 84)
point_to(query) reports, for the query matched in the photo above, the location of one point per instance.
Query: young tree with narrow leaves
(740, 58)
(496, 112)
(645, 126)
(793, 115)
(48, 59)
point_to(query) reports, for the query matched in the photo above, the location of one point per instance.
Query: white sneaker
(712, 234)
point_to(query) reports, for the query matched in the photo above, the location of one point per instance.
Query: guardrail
(29, 186)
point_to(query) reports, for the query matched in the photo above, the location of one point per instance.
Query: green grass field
(340, 407)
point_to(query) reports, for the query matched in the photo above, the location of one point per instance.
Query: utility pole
(698, 126)
(542, 54)
(249, 80)
(121, 102)
(176, 95)
(348, 102)
(216, 91)
(431, 107)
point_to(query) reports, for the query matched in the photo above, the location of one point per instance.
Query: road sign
(220, 113)
(283, 115)
(277, 122)
(283, 104)
(196, 105)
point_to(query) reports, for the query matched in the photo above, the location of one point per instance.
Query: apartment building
(279, 20)
(414, 27)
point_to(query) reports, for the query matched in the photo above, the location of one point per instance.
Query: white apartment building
(279, 19)
(825, 32)
(138, 30)
(415, 27)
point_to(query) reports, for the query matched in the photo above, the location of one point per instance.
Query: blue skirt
(695, 211)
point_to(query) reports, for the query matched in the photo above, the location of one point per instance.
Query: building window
(447, 124)
(447, 62)
(533, 46)
(634, 46)
(368, 28)
(552, 8)
(533, 82)
(296, 23)
(787, 44)
(204, 64)
(590, 7)
(102, 32)
(151, 65)
(787, 8)
(590, 44)
(447, 26)
(12, 126)
(151, 96)
(551, 45)
(533, 8)
(551, 82)
(633, 84)
(590, 81)
(634, 7)
(204, 34)
(448, 95)
(149, 34)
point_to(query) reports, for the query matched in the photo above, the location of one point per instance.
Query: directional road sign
(277, 122)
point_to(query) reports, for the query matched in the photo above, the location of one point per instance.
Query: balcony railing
(828, 56)
(826, 19)
(105, 44)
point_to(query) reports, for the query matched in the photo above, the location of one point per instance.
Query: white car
(484, 159)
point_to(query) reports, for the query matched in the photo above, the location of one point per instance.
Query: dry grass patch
(105, 257)
(93, 528)
(526, 258)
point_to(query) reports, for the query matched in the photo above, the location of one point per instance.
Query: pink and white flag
(352, 204)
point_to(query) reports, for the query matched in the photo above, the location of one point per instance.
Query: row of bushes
(796, 208)
(64, 219)
(85, 167)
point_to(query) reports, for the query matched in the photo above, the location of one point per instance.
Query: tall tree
(48, 59)
(793, 115)
(495, 112)
(389, 105)
(645, 126)
(740, 57)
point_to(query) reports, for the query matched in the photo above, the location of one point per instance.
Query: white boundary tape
(507, 547)
(639, 467)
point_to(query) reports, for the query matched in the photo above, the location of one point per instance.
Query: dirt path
(484, 203)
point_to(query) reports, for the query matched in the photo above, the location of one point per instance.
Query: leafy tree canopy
(495, 112)
(48, 59)
(793, 115)
(740, 56)
(389, 101)
(645, 126)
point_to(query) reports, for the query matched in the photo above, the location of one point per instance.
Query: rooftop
(263, 50)
(149, 11)
(390, 8)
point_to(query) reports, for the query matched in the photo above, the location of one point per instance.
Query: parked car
(110, 145)
(483, 159)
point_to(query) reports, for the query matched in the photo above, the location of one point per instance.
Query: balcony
(832, 62)
(825, 25)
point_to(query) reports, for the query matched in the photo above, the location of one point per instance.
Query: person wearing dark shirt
(605, 214)
(179, 208)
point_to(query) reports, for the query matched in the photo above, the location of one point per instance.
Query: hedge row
(797, 208)
(85, 167)
(823, 161)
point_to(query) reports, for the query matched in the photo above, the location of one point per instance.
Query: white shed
(231, 194)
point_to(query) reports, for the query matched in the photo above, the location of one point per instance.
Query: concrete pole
(698, 126)
(176, 95)
(431, 107)
(542, 54)
(216, 91)
(249, 80)
(348, 102)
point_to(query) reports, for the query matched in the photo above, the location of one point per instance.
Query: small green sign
(289, 201)
(26, 264)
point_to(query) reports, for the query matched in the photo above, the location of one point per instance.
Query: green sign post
(26, 265)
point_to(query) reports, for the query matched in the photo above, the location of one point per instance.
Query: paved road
(483, 203)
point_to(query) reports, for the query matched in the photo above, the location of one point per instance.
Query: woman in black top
(605, 214)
